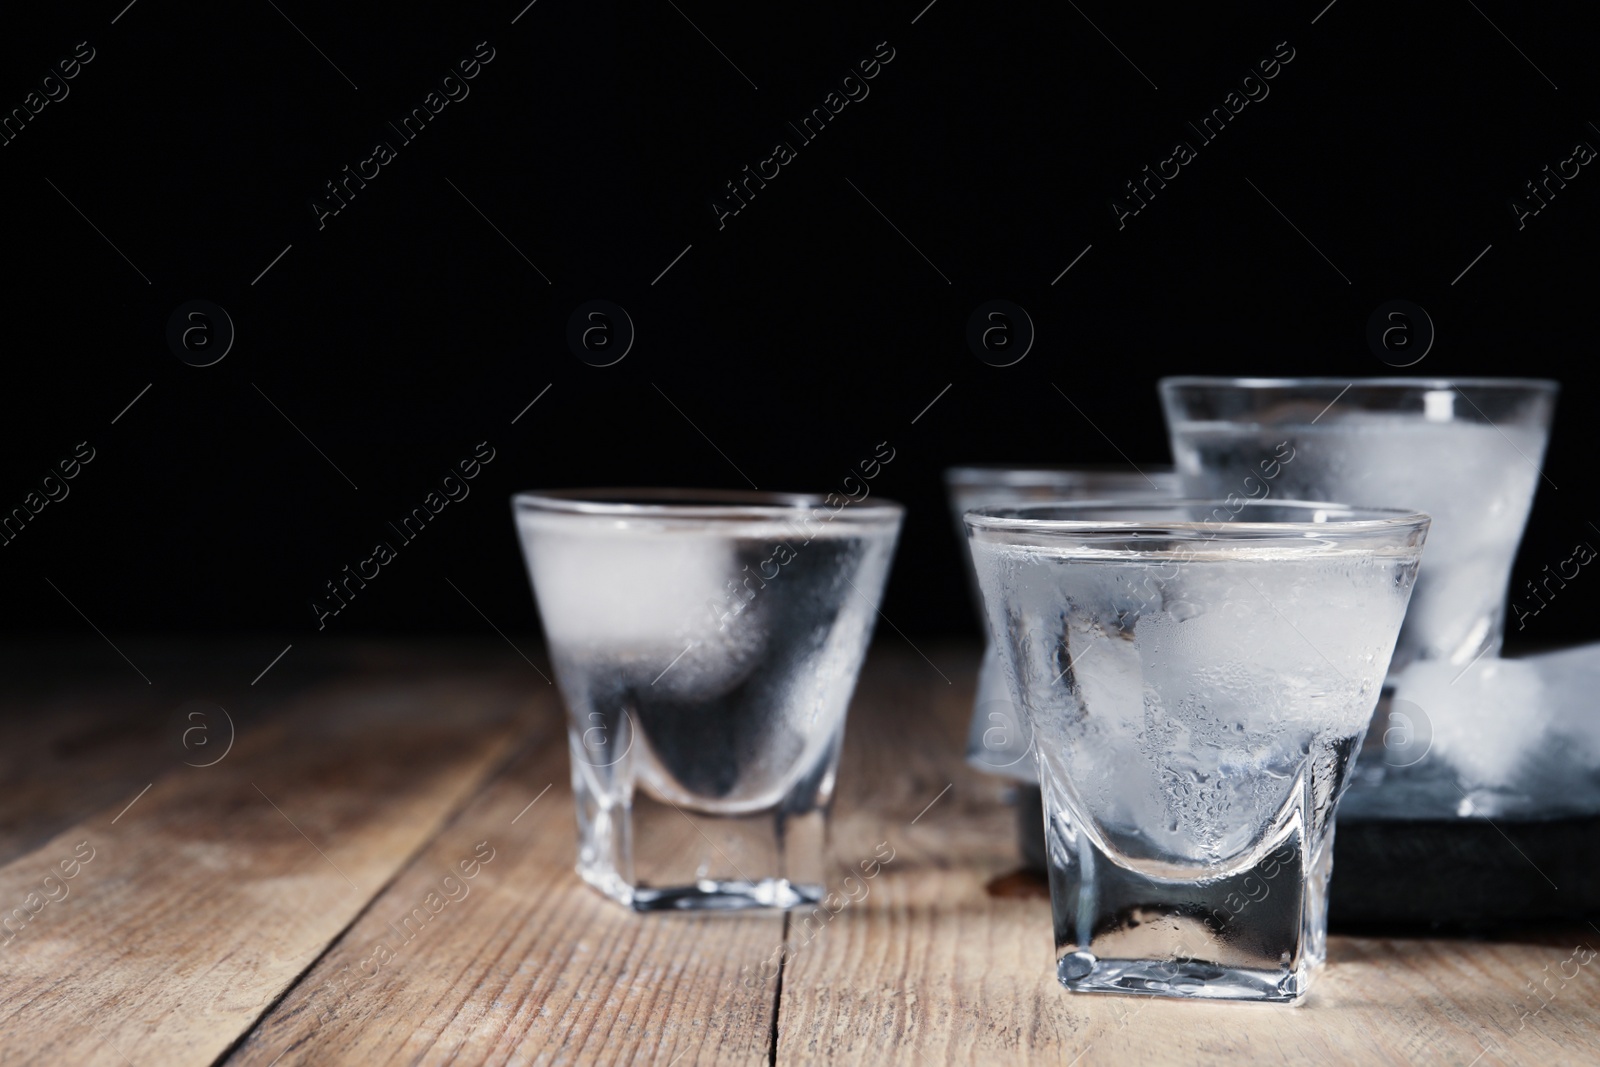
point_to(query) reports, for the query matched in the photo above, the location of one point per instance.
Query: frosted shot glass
(706, 644)
(1198, 676)
(1465, 450)
(997, 739)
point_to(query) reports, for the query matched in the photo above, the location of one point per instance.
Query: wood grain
(85, 729)
(69, 754)
(235, 915)
(529, 966)
(201, 903)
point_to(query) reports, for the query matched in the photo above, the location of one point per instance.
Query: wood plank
(930, 968)
(527, 965)
(76, 711)
(102, 740)
(200, 903)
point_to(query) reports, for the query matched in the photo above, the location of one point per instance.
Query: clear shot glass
(997, 738)
(706, 644)
(1465, 450)
(1198, 676)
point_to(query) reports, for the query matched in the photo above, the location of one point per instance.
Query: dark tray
(1468, 872)
(1473, 873)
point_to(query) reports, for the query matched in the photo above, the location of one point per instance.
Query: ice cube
(1571, 680)
(1486, 720)
(615, 589)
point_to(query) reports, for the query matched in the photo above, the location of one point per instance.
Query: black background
(796, 338)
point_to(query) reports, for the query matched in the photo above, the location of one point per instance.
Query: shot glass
(706, 644)
(997, 738)
(1465, 450)
(1198, 676)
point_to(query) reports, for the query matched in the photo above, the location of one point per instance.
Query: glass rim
(1013, 518)
(1530, 385)
(680, 503)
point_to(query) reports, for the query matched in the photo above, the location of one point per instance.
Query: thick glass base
(1255, 932)
(711, 895)
(652, 854)
(1081, 972)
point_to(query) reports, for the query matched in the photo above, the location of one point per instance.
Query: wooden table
(233, 913)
